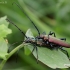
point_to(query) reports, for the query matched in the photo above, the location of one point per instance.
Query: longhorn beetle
(47, 41)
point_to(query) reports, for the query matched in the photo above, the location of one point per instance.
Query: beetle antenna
(28, 17)
(16, 27)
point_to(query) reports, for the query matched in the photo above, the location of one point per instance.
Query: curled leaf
(4, 31)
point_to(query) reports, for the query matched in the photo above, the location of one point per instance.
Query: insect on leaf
(52, 58)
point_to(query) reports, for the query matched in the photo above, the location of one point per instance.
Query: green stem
(9, 55)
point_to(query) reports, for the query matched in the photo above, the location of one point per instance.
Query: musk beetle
(47, 41)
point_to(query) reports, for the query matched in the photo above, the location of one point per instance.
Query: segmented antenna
(16, 27)
(28, 17)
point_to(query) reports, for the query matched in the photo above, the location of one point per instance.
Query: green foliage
(48, 15)
(4, 31)
(4, 27)
(3, 49)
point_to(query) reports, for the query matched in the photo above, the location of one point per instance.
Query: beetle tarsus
(63, 39)
(33, 49)
(65, 52)
(37, 53)
(52, 33)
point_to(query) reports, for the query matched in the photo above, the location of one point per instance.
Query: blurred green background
(54, 15)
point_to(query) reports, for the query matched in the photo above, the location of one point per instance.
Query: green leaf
(4, 31)
(52, 58)
(26, 50)
(3, 21)
(29, 33)
(3, 48)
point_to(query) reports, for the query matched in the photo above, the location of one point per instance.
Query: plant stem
(9, 55)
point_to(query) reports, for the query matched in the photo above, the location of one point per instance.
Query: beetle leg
(35, 47)
(17, 55)
(65, 52)
(13, 45)
(51, 46)
(63, 39)
(37, 53)
(52, 33)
